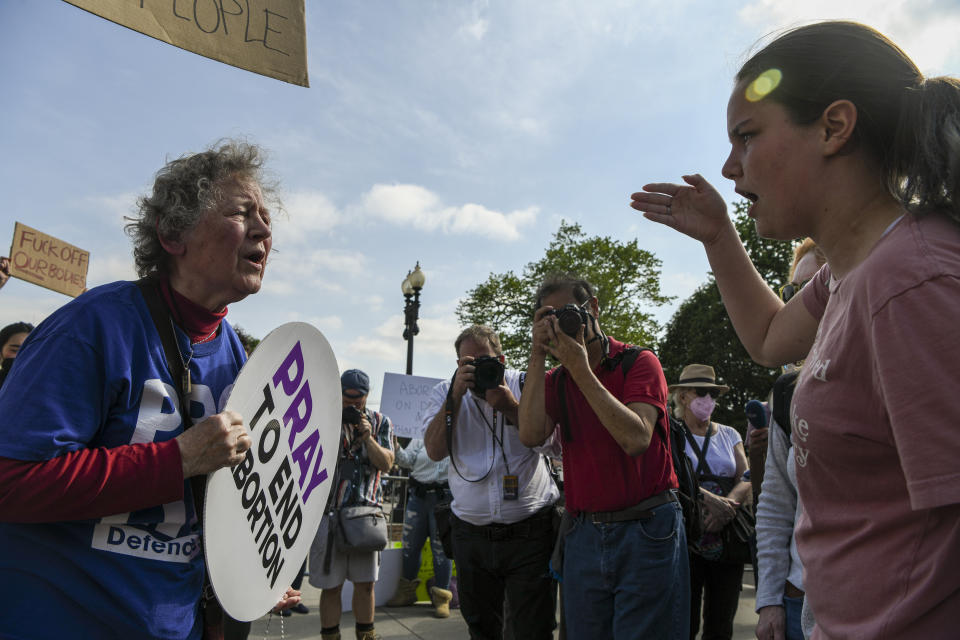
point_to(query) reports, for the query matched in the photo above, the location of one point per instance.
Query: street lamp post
(411, 287)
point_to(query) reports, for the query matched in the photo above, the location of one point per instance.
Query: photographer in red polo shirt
(625, 570)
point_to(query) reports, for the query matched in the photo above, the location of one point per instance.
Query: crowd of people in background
(836, 137)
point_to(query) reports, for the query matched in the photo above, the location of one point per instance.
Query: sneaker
(300, 608)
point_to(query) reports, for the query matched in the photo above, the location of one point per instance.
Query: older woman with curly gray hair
(102, 446)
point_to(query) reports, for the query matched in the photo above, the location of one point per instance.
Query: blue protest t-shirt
(92, 375)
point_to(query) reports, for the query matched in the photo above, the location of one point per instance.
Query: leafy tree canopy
(626, 278)
(248, 341)
(700, 332)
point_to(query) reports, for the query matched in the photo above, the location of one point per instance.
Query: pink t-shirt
(876, 434)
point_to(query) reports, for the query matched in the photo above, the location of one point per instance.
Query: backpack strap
(625, 359)
(629, 356)
(703, 469)
(782, 397)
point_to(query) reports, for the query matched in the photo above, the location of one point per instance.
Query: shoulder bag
(735, 538)
(361, 528)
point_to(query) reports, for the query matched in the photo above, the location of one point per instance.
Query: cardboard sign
(261, 515)
(404, 399)
(268, 37)
(47, 261)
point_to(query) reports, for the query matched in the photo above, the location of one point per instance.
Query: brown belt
(791, 591)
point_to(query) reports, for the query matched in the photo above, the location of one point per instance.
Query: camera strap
(493, 432)
(448, 420)
(160, 314)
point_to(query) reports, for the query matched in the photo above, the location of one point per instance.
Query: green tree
(701, 332)
(248, 341)
(626, 278)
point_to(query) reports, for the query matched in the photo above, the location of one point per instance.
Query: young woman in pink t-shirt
(836, 135)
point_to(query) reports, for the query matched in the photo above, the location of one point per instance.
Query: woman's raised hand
(696, 209)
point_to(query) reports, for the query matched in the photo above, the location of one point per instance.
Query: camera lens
(570, 320)
(487, 373)
(351, 415)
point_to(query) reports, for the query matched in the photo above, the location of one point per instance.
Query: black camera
(487, 374)
(571, 317)
(352, 415)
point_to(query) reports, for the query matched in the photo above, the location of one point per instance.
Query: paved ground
(418, 621)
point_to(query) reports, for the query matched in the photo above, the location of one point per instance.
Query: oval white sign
(260, 516)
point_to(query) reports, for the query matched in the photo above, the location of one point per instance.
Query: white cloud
(310, 212)
(374, 303)
(294, 284)
(408, 204)
(436, 335)
(475, 29)
(109, 268)
(365, 348)
(320, 261)
(681, 284)
(326, 324)
(295, 270)
(112, 209)
(25, 302)
(925, 29)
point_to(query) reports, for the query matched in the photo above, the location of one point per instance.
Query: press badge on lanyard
(511, 487)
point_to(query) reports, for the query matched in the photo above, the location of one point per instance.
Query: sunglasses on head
(791, 289)
(702, 391)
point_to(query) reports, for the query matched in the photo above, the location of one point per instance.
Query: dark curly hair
(183, 190)
(554, 282)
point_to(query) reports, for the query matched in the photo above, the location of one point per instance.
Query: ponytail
(925, 168)
(909, 124)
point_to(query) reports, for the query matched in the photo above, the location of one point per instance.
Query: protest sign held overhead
(48, 261)
(261, 515)
(404, 399)
(264, 36)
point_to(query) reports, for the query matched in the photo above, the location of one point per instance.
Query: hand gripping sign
(261, 515)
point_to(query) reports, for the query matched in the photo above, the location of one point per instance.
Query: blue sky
(454, 133)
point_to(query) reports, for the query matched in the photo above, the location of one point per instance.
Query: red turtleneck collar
(199, 323)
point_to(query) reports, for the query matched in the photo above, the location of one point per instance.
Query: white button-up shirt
(475, 450)
(422, 468)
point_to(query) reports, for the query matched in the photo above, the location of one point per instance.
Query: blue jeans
(418, 523)
(628, 579)
(792, 608)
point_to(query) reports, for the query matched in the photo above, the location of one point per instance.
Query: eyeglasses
(791, 289)
(702, 391)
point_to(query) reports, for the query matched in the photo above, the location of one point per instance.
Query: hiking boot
(406, 593)
(330, 636)
(368, 635)
(441, 601)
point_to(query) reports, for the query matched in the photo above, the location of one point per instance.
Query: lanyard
(448, 419)
(493, 432)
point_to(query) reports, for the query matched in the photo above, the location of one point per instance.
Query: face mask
(702, 407)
